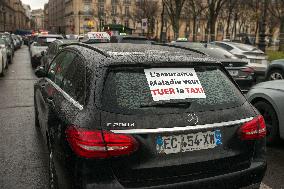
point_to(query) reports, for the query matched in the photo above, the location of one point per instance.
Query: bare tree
(214, 8)
(194, 8)
(174, 10)
(276, 8)
(229, 10)
(147, 9)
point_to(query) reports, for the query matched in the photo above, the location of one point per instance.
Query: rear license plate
(233, 72)
(188, 142)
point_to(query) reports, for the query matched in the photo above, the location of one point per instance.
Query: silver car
(268, 99)
(255, 57)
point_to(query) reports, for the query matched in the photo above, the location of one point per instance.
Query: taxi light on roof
(182, 39)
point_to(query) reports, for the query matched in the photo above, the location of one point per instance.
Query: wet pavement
(24, 156)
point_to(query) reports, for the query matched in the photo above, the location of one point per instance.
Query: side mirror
(40, 72)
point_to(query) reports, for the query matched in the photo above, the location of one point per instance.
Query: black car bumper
(250, 176)
(245, 83)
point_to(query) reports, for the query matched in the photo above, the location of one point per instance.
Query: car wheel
(275, 74)
(2, 69)
(53, 184)
(36, 117)
(271, 121)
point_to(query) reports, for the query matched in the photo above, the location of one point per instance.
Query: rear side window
(74, 82)
(128, 90)
(60, 66)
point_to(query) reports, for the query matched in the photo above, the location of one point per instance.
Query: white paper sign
(174, 83)
(49, 40)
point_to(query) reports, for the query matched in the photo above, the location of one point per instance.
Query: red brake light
(254, 129)
(99, 144)
(248, 69)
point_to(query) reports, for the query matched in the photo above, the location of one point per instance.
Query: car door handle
(50, 101)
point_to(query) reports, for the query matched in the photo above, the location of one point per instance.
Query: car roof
(131, 54)
(130, 36)
(50, 35)
(65, 41)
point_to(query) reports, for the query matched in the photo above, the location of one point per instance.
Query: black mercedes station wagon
(146, 116)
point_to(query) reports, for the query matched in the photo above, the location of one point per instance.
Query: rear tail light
(99, 144)
(248, 70)
(254, 129)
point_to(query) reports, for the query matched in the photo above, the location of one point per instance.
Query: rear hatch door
(184, 119)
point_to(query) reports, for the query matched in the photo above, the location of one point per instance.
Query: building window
(101, 1)
(113, 10)
(127, 11)
(127, 2)
(101, 10)
(126, 23)
(114, 2)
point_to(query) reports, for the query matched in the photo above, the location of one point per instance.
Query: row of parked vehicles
(9, 43)
(146, 115)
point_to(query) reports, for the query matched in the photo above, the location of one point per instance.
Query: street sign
(144, 24)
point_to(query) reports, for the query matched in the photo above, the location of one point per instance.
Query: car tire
(2, 69)
(271, 121)
(275, 74)
(53, 183)
(36, 117)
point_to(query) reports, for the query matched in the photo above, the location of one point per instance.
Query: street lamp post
(262, 35)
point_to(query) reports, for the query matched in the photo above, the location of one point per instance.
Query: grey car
(275, 70)
(268, 99)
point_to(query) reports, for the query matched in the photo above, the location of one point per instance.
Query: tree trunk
(194, 29)
(228, 26)
(212, 28)
(281, 37)
(162, 24)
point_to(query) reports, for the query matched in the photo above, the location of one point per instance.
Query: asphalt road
(23, 155)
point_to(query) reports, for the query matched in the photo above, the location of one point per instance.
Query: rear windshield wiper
(168, 104)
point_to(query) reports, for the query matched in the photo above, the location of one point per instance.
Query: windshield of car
(44, 41)
(2, 42)
(166, 90)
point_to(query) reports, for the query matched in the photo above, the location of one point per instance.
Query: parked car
(4, 56)
(53, 48)
(3, 65)
(146, 116)
(238, 68)
(16, 41)
(130, 39)
(40, 44)
(255, 57)
(275, 70)
(268, 98)
(95, 37)
(9, 50)
(9, 39)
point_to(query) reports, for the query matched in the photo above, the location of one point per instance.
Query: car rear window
(128, 90)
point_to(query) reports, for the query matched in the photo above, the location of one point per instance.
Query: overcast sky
(35, 4)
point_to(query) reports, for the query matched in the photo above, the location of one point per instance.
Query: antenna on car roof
(180, 47)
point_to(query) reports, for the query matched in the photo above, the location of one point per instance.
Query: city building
(46, 17)
(13, 16)
(37, 22)
(56, 9)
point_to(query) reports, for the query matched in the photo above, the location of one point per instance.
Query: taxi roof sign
(98, 35)
(182, 39)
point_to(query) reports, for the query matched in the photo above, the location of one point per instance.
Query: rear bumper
(245, 83)
(250, 176)
(247, 177)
